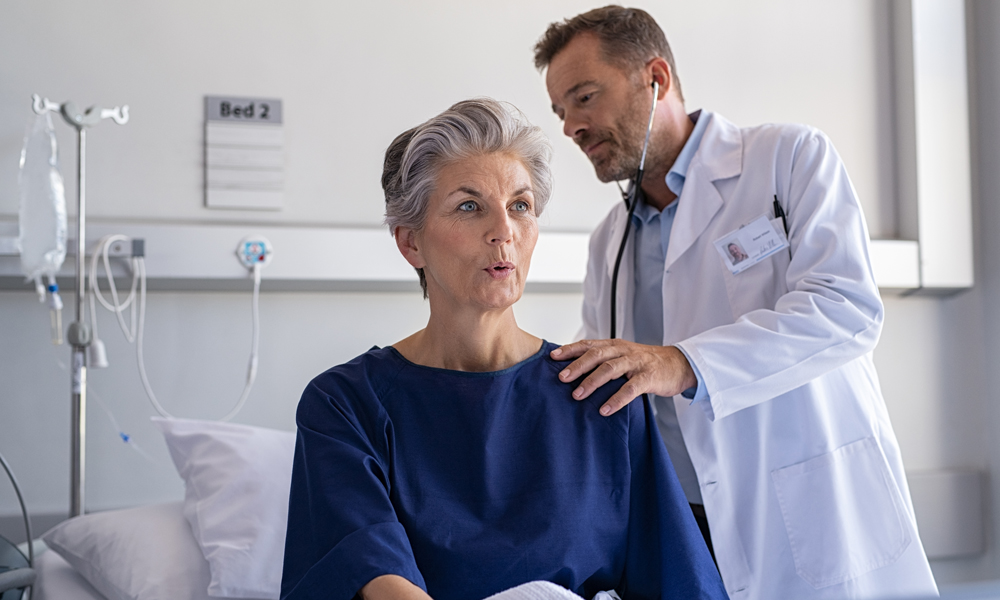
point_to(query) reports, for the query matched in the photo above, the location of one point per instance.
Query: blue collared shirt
(652, 237)
(650, 256)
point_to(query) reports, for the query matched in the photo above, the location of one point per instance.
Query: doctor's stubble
(625, 141)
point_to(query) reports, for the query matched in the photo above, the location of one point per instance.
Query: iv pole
(78, 333)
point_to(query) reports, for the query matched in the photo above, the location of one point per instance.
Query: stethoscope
(631, 198)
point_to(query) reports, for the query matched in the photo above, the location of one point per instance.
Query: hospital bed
(226, 539)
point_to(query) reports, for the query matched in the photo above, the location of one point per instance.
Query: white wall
(352, 77)
(196, 355)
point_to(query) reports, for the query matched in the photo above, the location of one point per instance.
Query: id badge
(750, 244)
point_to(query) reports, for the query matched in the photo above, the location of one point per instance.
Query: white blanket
(60, 581)
(544, 590)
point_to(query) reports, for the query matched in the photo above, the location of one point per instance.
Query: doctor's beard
(623, 145)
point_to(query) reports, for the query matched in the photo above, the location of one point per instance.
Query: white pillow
(237, 479)
(144, 553)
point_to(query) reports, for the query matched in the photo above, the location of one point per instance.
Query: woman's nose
(501, 229)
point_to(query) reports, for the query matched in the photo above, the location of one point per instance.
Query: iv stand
(78, 333)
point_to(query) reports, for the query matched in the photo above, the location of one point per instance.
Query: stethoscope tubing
(631, 200)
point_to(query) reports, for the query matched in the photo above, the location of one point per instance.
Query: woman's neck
(469, 340)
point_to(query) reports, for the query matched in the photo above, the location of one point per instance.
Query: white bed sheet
(57, 580)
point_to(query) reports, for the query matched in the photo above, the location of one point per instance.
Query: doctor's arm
(830, 315)
(660, 370)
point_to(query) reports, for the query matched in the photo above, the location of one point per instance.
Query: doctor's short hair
(468, 129)
(630, 37)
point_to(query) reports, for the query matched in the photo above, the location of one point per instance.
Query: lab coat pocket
(843, 513)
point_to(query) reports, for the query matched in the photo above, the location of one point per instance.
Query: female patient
(454, 463)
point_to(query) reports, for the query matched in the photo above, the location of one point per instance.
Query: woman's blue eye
(521, 205)
(467, 206)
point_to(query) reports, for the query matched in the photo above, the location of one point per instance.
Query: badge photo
(744, 247)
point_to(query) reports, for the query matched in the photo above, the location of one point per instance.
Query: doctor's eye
(468, 206)
(586, 98)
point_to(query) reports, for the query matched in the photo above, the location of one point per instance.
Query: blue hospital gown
(467, 484)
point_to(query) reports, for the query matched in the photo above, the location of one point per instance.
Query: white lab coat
(798, 466)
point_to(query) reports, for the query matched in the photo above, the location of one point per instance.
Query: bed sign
(244, 153)
(229, 109)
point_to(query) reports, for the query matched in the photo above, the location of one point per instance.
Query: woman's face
(480, 230)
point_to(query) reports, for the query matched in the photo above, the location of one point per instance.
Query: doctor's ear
(406, 241)
(659, 71)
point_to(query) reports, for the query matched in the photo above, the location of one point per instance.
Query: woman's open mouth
(500, 269)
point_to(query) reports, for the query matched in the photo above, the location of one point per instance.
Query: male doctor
(760, 369)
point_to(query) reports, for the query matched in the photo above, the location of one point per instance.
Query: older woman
(454, 463)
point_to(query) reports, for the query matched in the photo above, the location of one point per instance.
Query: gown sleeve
(342, 528)
(667, 557)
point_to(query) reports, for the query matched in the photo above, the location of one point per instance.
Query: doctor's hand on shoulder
(660, 370)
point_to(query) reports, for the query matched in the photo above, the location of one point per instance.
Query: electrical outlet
(254, 250)
(130, 248)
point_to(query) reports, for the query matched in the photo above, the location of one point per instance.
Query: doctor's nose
(573, 128)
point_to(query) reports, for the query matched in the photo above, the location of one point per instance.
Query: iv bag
(42, 216)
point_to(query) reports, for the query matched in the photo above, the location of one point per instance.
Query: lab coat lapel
(719, 156)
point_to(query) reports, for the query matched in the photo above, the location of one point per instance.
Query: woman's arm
(392, 587)
(343, 532)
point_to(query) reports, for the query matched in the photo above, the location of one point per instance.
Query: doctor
(761, 367)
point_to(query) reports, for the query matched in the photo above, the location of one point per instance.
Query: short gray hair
(629, 37)
(468, 129)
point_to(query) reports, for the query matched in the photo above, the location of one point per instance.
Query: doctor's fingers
(632, 389)
(589, 355)
(577, 349)
(607, 371)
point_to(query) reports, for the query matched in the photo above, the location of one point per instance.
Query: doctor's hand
(660, 370)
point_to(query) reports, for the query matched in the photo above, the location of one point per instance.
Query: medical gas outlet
(254, 251)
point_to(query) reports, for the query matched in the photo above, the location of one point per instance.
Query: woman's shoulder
(355, 385)
(619, 422)
(601, 394)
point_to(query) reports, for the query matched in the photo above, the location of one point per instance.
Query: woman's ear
(406, 241)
